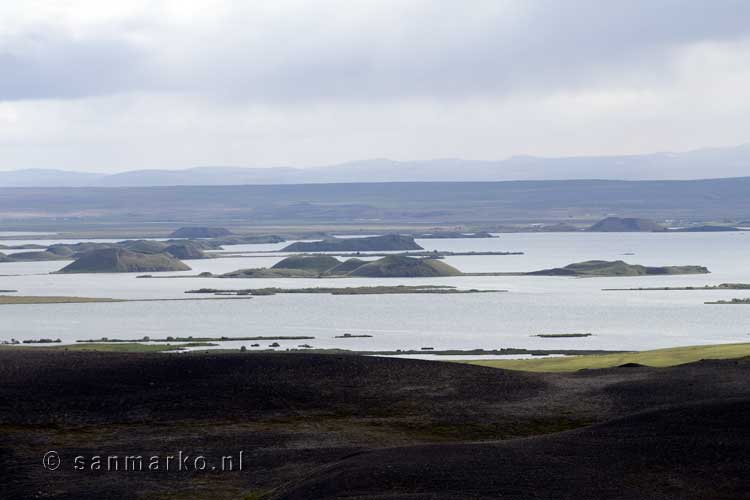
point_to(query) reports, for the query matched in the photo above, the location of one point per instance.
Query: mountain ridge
(690, 165)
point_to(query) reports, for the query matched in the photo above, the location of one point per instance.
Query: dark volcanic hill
(688, 444)
(399, 266)
(343, 426)
(385, 243)
(142, 246)
(315, 266)
(36, 256)
(625, 225)
(187, 250)
(347, 266)
(318, 263)
(119, 260)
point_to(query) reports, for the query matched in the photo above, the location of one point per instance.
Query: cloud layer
(93, 85)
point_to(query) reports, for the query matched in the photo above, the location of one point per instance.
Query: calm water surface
(532, 305)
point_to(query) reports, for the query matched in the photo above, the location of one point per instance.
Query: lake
(532, 305)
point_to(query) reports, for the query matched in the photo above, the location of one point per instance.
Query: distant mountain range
(698, 164)
(435, 203)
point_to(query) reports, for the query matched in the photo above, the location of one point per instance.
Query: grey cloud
(51, 65)
(421, 49)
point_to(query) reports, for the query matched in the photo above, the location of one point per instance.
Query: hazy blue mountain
(698, 164)
(39, 177)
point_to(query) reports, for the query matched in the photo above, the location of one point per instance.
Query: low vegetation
(655, 358)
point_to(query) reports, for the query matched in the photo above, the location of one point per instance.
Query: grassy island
(603, 268)
(723, 286)
(361, 290)
(733, 301)
(562, 335)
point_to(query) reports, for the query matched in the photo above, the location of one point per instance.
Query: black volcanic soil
(325, 426)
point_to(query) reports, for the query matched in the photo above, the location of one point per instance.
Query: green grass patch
(656, 358)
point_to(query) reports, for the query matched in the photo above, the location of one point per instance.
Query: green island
(41, 299)
(120, 260)
(730, 302)
(655, 358)
(94, 258)
(360, 290)
(603, 268)
(562, 335)
(723, 286)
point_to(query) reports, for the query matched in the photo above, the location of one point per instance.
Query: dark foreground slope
(317, 426)
(696, 451)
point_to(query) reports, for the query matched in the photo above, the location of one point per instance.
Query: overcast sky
(107, 86)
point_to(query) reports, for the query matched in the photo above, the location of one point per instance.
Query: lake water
(532, 305)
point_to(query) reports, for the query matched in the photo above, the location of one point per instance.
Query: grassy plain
(656, 358)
